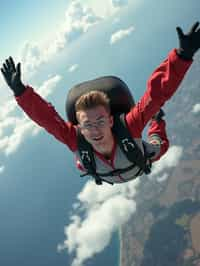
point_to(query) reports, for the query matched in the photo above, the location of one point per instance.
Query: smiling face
(96, 124)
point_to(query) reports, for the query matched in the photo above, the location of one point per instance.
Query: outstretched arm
(164, 81)
(40, 111)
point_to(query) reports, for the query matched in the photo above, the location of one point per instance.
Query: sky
(45, 208)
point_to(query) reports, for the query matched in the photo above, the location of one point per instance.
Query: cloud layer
(105, 210)
(78, 20)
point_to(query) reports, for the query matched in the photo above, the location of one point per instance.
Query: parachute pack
(121, 102)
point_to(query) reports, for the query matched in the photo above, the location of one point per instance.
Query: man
(95, 122)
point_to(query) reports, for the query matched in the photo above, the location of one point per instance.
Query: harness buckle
(85, 156)
(126, 144)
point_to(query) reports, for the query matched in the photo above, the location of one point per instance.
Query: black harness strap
(129, 146)
(117, 172)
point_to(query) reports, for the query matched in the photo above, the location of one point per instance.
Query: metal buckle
(127, 143)
(85, 155)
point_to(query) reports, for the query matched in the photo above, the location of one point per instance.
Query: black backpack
(127, 145)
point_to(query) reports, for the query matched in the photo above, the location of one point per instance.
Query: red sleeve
(44, 114)
(162, 84)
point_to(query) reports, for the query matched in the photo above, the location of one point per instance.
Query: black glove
(188, 43)
(159, 115)
(12, 76)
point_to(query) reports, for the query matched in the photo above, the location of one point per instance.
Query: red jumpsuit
(162, 84)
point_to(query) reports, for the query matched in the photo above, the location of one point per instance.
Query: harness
(128, 146)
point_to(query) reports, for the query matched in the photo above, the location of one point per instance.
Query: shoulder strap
(128, 145)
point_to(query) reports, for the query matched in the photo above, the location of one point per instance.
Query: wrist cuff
(19, 90)
(184, 55)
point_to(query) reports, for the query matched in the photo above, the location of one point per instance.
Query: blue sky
(28, 21)
(60, 45)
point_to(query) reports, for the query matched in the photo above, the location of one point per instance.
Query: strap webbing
(128, 145)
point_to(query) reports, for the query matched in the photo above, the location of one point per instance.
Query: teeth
(98, 138)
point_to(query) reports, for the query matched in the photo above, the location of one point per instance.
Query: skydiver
(95, 121)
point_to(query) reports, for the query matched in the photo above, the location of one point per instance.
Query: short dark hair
(92, 99)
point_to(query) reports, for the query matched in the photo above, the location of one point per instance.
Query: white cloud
(119, 35)
(92, 237)
(2, 82)
(78, 20)
(119, 3)
(103, 8)
(7, 108)
(169, 160)
(31, 57)
(162, 178)
(106, 208)
(107, 8)
(20, 127)
(23, 128)
(2, 168)
(196, 108)
(49, 86)
(73, 68)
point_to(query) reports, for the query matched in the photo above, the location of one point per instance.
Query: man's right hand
(12, 76)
